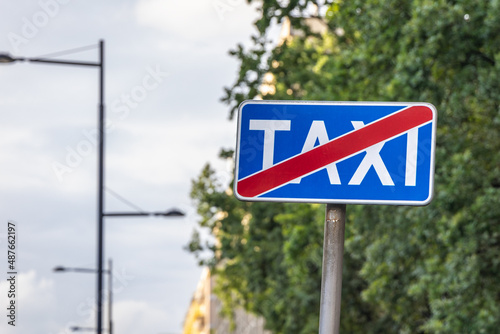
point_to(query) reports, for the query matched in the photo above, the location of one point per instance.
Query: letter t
(269, 127)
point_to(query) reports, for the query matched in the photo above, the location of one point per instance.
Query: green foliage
(432, 269)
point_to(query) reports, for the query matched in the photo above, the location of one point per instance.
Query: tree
(407, 270)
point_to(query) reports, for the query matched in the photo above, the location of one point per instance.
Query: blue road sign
(335, 152)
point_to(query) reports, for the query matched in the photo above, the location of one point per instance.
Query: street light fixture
(82, 329)
(5, 59)
(60, 269)
(170, 213)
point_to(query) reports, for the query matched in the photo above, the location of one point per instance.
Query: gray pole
(100, 191)
(110, 297)
(331, 282)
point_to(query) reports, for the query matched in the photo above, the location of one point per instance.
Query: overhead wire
(69, 51)
(123, 200)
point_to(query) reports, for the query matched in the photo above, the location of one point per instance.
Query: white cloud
(37, 292)
(197, 20)
(181, 151)
(139, 317)
(34, 301)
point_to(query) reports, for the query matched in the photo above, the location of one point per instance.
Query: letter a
(16, 41)
(60, 169)
(317, 132)
(221, 8)
(372, 158)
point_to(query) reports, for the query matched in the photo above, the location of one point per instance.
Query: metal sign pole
(331, 282)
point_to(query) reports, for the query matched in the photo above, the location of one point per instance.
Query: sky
(166, 63)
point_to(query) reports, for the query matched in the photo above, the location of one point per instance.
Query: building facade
(203, 315)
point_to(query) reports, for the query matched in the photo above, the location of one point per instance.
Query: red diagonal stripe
(333, 151)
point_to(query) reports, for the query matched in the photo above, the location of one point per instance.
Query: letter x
(372, 158)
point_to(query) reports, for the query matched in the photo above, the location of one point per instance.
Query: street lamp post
(100, 190)
(110, 292)
(6, 58)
